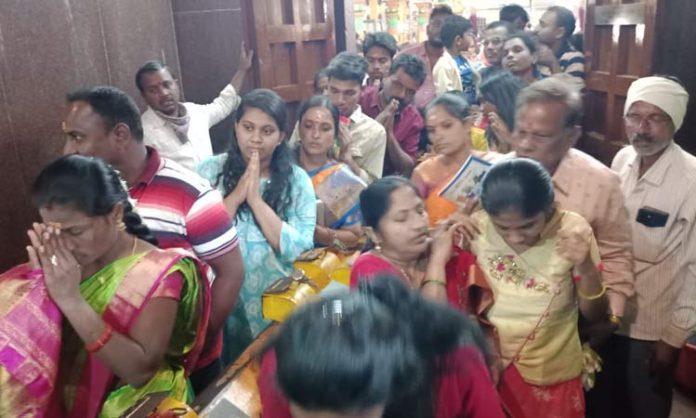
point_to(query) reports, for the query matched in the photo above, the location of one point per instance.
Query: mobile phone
(651, 217)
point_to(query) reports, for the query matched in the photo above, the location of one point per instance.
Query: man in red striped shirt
(181, 208)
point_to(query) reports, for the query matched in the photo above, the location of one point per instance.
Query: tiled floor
(683, 407)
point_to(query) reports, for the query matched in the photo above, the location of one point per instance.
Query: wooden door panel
(620, 35)
(311, 11)
(293, 39)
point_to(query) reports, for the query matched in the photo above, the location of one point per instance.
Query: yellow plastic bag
(282, 297)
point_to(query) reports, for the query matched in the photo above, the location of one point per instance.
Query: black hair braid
(135, 226)
(133, 221)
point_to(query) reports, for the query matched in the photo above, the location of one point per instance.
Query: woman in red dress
(403, 246)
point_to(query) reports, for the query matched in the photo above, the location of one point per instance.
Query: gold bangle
(440, 282)
(593, 297)
(614, 319)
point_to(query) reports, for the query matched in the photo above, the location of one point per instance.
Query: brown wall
(46, 49)
(209, 37)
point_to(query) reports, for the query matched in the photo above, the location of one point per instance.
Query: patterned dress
(262, 264)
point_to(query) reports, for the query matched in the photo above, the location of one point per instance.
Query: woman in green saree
(133, 316)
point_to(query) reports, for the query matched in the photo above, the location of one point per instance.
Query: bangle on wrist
(335, 241)
(614, 319)
(593, 297)
(434, 281)
(577, 277)
(104, 338)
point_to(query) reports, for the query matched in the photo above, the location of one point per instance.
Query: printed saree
(30, 338)
(119, 293)
(430, 178)
(339, 189)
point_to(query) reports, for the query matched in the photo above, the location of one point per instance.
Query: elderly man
(546, 128)
(391, 105)
(658, 179)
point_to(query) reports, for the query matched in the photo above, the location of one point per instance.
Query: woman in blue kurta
(272, 201)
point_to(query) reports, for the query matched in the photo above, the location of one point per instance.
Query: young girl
(449, 122)
(542, 266)
(272, 201)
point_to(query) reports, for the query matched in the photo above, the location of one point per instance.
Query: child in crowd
(452, 71)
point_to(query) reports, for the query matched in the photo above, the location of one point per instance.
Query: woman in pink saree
(99, 318)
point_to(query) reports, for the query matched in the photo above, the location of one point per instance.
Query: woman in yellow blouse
(542, 266)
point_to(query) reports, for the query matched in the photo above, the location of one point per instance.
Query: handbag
(284, 295)
(321, 265)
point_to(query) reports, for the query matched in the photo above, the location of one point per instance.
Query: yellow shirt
(534, 288)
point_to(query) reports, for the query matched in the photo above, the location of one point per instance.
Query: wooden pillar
(345, 25)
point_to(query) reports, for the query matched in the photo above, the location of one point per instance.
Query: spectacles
(653, 120)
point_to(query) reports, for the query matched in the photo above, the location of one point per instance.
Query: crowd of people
(146, 271)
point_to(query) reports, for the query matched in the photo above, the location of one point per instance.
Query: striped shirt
(182, 210)
(664, 307)
(571, 61)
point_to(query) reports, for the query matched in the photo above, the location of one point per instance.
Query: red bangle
(101, 341)
(600, 268)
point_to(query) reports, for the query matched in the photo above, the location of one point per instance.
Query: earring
(378, 248)
(121, 226)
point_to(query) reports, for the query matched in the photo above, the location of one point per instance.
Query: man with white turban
(658, 180)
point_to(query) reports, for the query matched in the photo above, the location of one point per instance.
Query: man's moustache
(642, 137)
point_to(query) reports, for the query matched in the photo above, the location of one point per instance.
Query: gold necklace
(135, 244)
(402, 270)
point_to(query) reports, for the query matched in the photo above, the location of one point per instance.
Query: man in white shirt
(180, 131)
(364, 138)
(658, 180)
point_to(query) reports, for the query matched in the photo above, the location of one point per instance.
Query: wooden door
(619, 40)
(293, 39)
